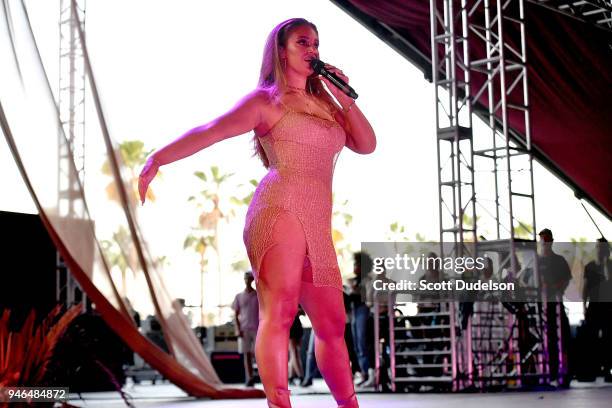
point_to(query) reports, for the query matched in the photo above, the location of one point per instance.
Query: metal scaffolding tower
(474, 153)
(71, 105)
(453, 126)
(463, 154)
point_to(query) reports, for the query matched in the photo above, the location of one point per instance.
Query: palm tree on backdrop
(133, 156)
(205, 235)
(341, 222)
(523, 230)
(399, 233)
(403, 243)
(115, 250)
(120, 249)
(471, 223)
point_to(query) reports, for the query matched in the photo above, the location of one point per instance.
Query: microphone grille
(317, 65)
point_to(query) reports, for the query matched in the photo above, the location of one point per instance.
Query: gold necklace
(301, 90)
(306, 94)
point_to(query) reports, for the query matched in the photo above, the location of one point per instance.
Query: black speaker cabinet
(229, 366)
(27, 265)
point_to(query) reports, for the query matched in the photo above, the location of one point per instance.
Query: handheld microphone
(318, 67)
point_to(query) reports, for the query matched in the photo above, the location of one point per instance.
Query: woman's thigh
(281, 269)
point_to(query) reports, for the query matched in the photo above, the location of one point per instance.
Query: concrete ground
(580, 395)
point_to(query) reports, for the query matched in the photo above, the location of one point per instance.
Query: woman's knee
(330, 327)
(279, 314)
(325, 308)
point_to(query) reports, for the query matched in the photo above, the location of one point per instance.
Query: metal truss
(71, 101)
(595, 12)
(67, 290)
(71, 105)
(451, 78)
(470, 153)
(503, 74)
(508, 344)
(494, 345)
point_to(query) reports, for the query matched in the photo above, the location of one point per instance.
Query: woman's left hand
(343, 98)
(147, 174)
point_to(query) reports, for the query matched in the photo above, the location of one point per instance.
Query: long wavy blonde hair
(272, 77)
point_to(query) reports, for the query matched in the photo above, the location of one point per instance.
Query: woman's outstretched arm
(242, 118)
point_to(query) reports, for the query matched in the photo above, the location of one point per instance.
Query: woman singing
(299, 132)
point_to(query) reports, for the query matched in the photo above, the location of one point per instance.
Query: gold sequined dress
(302, 150)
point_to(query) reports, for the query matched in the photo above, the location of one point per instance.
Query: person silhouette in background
(246, 308)
(296, 332)
(597, 302)
(360, 312)
(555, 276)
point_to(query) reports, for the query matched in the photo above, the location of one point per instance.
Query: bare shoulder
(262, 96)
(269, 110)
(246, 115)
(257, 100)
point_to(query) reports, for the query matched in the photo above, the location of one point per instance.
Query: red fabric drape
(570, 87)
(121, 324)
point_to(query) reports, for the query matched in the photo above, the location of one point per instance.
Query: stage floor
(592, 395)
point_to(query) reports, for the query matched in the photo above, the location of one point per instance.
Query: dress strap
(285, 113)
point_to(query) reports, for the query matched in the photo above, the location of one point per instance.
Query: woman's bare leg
(325, 308)
(278, 290)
